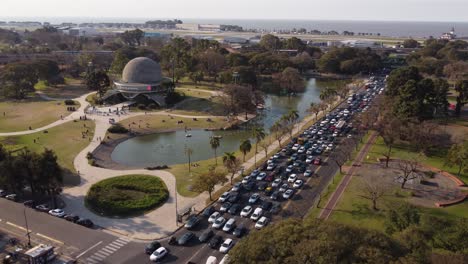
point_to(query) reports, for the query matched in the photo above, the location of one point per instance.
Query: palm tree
(293, 116)
(189, 152)
(259, 134)
(245, 147)
(315, 109)
(232, 163)
(214, 142)
(327, 93)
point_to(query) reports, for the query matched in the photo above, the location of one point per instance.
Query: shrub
(127, 195)
(117, 129)
(69, 102)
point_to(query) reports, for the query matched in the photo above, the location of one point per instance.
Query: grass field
(34, 113)
(66, 140)
(72, 88)
(125, 196)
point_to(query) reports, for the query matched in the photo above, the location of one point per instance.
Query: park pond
(169, 147)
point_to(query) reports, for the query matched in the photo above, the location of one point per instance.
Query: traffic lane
(56, 228)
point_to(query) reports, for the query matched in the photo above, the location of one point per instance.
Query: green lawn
(33, 112)
(125, 196)
(66, 140)
(72, 88)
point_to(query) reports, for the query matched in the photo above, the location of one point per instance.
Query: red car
(269, 177)
(317, 161)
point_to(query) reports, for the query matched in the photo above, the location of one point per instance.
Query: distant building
(450, 35)
(157, 35)
(79, 31)
(235, 40)
(361, 44)
(199, 27)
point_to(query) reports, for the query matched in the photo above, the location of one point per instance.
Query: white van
(212, 260)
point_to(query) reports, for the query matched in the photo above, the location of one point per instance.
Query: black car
(192, 222)
(239, 231)
(249, 186)
(206, 235)
(208, 211)
(275, 208)
(274, 196)
(233, 197)
(30, 203)
(234, 209)
(151, 247)
(85, 222)
(71, 218)
(185, 238)
(266, 205)
(215, 241)
(262, 186)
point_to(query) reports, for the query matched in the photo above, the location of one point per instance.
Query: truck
(340, 125)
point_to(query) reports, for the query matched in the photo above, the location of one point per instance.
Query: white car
(158, 254)
(226, 246)
(261, 176)
(223, 197)
(256, 214)
(246, 211)
(261, 223)
(295, 147)
(301, 150)
(298, 184)
(307, 173)
(288, 193)
(289, 168)
(254, 198)
(213, 217)
(283, 187)
(271, 166)
(335, 134)
(230, 224)
(246, 179)
(276, 182)
(292, 178)
(309, 159)
(57, 212)
(219, 222)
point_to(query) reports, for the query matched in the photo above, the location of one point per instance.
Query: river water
(169, 147)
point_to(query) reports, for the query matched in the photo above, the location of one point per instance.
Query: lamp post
(176, 210)
(27, 227)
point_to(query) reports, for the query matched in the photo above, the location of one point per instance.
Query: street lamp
(27, 227)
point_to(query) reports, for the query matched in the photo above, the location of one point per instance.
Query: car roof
(228, 240)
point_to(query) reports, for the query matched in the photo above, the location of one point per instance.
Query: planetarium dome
(142, 70)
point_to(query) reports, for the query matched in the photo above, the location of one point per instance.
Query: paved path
(335, 197)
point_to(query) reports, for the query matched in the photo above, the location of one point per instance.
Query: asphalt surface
(98, 246)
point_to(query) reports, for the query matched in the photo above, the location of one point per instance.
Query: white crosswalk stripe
(106, 251)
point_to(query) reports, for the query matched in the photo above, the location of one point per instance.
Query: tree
(458, 156)
(315, 109)
(238, 98)
(176, 55)
(278, 130)
(295, 44)
(189, 152)
(48, 71)
(214, 143)
(303, 62)
(50, 176)
(410, 44)
(462, 98)
(389, 128)
(245, 147)
(17, 79)
(327, 93)
(270, 42)
(264, 145)
(292, 117)
(232, 163)
(399, 78)
(400, 217)
(408, 169)
(97, 80)
(259, 134)
(132, 37)
(373, 190)
(290, 80)
(206, 182)
(211, 63)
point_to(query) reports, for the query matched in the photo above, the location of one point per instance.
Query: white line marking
(89, 260)
(106, 250)
(17, 226)
(100, 255)
(95, 257)
(125, 239)
(119, 243)
(101, 252)
(87, 250)
(112, 247)
(49, 238)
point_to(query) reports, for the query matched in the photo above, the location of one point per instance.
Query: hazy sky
(406, 10)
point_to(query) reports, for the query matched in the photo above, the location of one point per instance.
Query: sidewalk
(335, 197)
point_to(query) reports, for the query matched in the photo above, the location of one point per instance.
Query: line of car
(257, 196)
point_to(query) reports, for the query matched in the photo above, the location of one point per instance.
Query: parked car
(308, 173)
(72, 218)
(12, 197)
(298, 184)
(206, 235)
(215, 241)
(239, 231)
(274, 196)
(266, 205)
(192, 222)
(223, 197)
(3, 193)
(213, 217)
(254, 198)
(233, 197)
(234, 209)
(276, 183)
(85, 222)
(257, 214)
(246, 211)
(249, 186)
(208, 211)
(317, 161)
(226, 246)
(57, 212)
(288, 194)
(230, 224)
(237, 187)
(283, 187)
(219, 222)
(43, 208)
(158, 254)
(292, 178)
(185, 238)
(151, 247)
(30, 203)
(275, 208)
(261, 223)
(225, 207)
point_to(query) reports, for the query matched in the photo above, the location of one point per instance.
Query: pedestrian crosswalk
(103, 253)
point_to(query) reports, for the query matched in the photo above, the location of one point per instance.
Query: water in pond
(169, 148)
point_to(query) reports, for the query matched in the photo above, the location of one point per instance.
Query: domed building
(141, 79)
